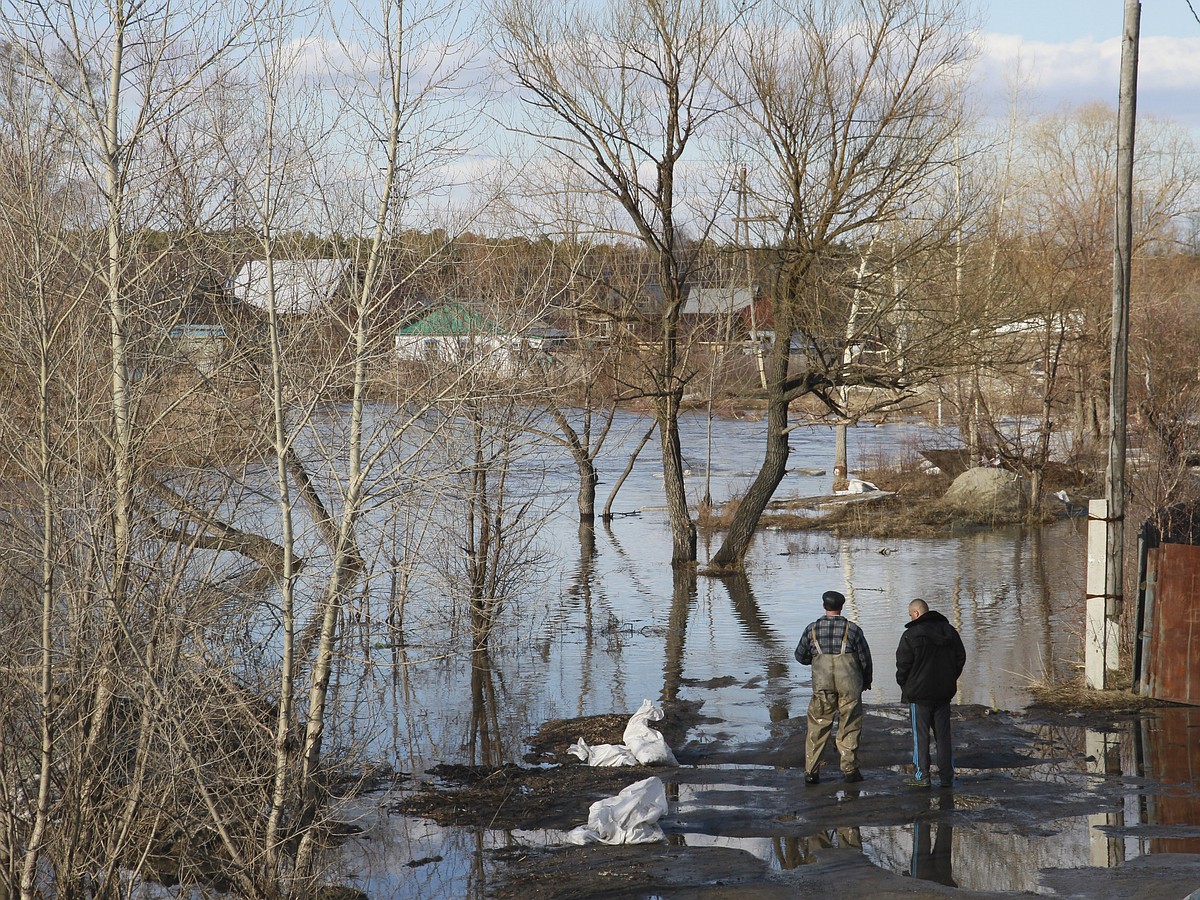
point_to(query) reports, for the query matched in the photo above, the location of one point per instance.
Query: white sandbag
(647, 744)
(631, 817)
(603, 754)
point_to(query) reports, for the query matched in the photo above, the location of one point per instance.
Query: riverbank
(1047, 803)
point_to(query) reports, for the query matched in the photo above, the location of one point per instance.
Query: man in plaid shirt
(837, 650)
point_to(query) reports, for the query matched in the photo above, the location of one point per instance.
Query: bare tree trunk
(347, 561)
(683, 529)
(121, 444)
(608, 514)
(841, 465)
(312, 499)
(583, 451)
(219, 535)
(730, 557)
(33, 842)
(285, 717)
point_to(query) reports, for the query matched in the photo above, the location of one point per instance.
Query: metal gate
(1171, 659)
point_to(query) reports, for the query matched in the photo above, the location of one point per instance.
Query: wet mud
(742, 822)
(550, 788)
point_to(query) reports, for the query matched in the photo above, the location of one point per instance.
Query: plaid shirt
(830, 630)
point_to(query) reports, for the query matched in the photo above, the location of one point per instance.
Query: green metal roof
(451, 319)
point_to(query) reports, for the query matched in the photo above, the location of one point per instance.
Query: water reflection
(933, 846)
(485, 745)
(795, 851)
(1104, 758)
(1166, 750)
(683, 597)
(959, 840)
(775, 649)
(418, 859)
(580, 591)
(604, 622)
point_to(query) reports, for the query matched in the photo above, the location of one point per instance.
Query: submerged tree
(852, 108)
(626, 90)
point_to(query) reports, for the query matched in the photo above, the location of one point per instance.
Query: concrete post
(1101, 634)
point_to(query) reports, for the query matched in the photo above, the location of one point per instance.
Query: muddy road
(1047, 803)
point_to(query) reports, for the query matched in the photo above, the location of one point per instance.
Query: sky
(1069, 52)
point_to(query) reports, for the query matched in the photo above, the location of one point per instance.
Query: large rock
(988, 494)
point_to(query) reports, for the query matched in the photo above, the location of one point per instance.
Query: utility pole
(742, 222)
(1104, 611)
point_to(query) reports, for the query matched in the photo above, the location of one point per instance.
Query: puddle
(415, 858)
(406, 856)
(1129, 795)
(990, 858)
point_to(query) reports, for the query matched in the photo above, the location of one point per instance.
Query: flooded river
(598, 627)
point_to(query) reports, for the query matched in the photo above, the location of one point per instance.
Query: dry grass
(915, 509)
(897, 516)
(197, 425)
(902, 515)
(1073, 695)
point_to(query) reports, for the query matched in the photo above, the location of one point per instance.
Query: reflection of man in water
(931, 859)
(794, 851)
(929, 660)
(837, 650)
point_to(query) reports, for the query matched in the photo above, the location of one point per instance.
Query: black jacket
(929, 659)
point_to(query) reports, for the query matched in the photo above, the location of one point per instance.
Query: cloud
(1087, 70)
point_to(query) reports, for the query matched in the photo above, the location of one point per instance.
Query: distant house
(202, 345)
(300, 285)
(722, 313)
(718, 301)
(1025, 340)
(201, 321)
(455, 333)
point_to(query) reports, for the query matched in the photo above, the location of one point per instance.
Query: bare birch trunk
(37, 833)
(347, 561)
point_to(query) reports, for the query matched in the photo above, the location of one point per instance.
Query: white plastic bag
(603, 754)
(647, 744)
(631, 817)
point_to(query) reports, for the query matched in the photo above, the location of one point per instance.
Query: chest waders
(836, 672)
(837, 683)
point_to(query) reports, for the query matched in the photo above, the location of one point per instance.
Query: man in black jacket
(929, 659)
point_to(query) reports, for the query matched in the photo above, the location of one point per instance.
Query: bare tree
(1039, 269)
(852, 108)
(1165, 387)
(1068, 212)
(43, 285)
(625, 91)
(118, 76)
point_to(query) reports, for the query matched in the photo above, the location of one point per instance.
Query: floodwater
(598, 628)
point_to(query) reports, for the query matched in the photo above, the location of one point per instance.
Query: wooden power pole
(1104, 611)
